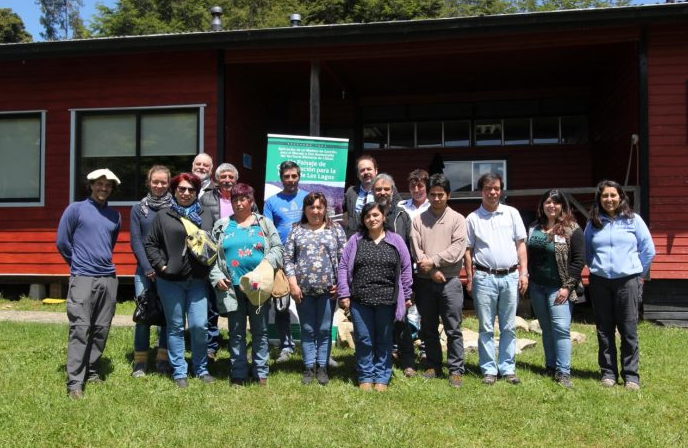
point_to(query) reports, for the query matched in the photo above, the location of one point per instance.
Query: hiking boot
(207, 378)
(366, 386)
(512, 379)
(139, 370)
(455, 380)
(489, 379)
(410, 372)
(308, 376)
(564, 380)
(379, 387)
(431, 373)
(321, 376)
(75, 394)
(631, 385)
(181, 383)
(284, 355)
(608, 382)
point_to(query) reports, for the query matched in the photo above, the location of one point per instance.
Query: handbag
(149, 309)
(200, 243)
(281, 297)
(257, 284)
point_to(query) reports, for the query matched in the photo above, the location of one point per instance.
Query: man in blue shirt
(86, 237)
(285, 209)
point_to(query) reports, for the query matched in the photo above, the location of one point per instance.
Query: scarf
(155, 203)
(190, 212)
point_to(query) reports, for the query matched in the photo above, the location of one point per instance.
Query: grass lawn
(26, 304)
(152, 412)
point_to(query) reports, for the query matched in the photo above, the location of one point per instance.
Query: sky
(30, 13)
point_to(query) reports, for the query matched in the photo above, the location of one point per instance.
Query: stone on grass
(521, 324)
(577, 338)
(534, 326)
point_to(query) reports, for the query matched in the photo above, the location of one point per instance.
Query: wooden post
(315, 99)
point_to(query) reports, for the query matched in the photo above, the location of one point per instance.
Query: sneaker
(379, 387)
(163, 367)
(608, 382)
(284, 355)
(366, 386)
(308, 376)
(181, 383)
(455, 380)
(321, 376)
(207, 378)
(431, 373)
(410, 372)
(512, 379)
(489, 379)
(75, 394)
(95, 379)
(631, 385)
(332, 364)
(564, 380)
(139, 370)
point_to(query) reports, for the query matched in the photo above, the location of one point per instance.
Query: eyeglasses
(186, 190)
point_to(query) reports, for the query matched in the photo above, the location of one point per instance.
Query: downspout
(643, 120)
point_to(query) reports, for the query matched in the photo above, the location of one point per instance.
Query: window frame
(74, 137)
(42, 115)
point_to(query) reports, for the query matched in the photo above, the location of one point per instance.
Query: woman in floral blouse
(311, 256)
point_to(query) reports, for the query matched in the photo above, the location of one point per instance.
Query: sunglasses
(186, 189)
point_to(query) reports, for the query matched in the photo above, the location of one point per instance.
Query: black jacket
(166, 246)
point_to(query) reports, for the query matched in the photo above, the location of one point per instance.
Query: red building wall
(27, 235)
(668, 78)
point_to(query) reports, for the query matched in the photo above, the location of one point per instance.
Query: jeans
(315, 315)
(213, 317)
(496, 295)
(555, 322)
(373, 334)
(179, 299)
(259, 338)
(283, 324)
(435, 301)
(615, 303)
(141, 331)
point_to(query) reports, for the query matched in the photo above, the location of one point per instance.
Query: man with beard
(202, 166)
(357, 196)
(397, 220)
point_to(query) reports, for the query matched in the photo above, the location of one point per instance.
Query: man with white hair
(217, 199)
(86, 237)
(202, 166)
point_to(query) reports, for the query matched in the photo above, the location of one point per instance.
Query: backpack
(200, 243)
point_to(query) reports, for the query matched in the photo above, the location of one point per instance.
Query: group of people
(387, 256)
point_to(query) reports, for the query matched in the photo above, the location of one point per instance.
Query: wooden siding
(27, 238)
(668, 155)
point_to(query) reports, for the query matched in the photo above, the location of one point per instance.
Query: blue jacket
(345, 270)
(622, 247)
(86, 237)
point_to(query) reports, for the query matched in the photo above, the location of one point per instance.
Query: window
(463, 175)
(488, 132)
(457, 133)
(21, 159)
(517, 131)
(375, 136)
(129, 142)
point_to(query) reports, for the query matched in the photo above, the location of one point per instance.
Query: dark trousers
(213, 316)
(404, 344)
(615, 302)
(445, 301)
(90, 306)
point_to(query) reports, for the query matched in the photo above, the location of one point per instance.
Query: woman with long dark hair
(311, 256)
(374, 281)
(619, 251)
(556, 256)
(181, 279)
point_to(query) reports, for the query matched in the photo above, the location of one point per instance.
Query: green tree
(360, 11)
(12, 28)
(61, 19)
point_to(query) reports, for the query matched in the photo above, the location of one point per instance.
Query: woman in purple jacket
(374, 281)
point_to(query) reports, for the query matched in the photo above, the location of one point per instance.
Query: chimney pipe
(216, 23)
(295, 19)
